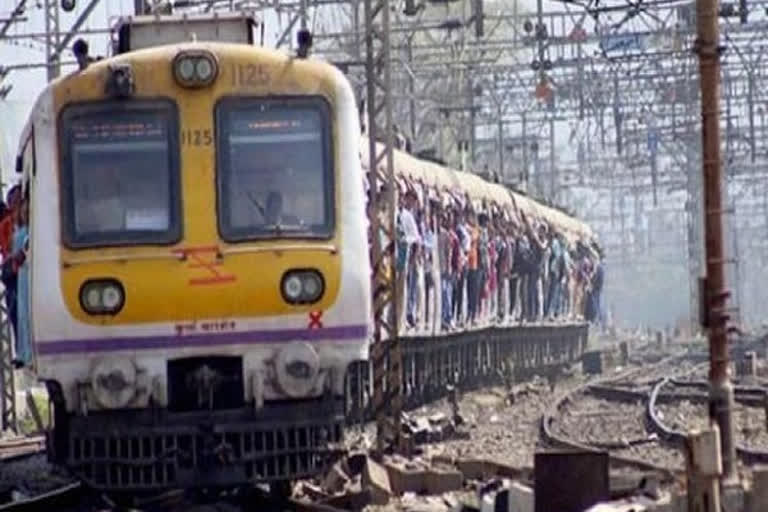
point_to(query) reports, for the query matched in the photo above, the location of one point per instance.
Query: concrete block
(376, 479)
(570, 481)
(488, 503)
(335, 480)
(514, 473)
(476, 469)
(353, 500)
(704, 447)
(508, 497)
(405, 477)
(521, 498)
(440, 481)
(758, 496)
(732, 497)
(592, 362)
(481, 469)
(494, 496)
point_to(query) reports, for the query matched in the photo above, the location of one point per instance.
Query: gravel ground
(31, 476)
(504, 433)
(507, 434)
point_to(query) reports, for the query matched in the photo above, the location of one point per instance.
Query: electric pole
(715, 294)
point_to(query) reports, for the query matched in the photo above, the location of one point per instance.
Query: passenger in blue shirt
(19, 255)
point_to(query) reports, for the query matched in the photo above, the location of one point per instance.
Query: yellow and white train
(199, 263)
(199, 268)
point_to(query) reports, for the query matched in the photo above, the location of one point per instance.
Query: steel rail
(745, 453)
(59, 499)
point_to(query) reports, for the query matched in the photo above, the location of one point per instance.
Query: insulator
(528, 26)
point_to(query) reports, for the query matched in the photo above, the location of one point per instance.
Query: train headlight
(102, 297)
(204, 70)
(195, 68)
(292, 288)
(111, 297)
(302, 286)
(92, 299)
(186, 70)
(312, 286)
(114, 382)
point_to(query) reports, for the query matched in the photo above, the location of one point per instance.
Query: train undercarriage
(155, 449)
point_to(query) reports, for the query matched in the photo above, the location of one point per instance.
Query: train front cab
(212, 271)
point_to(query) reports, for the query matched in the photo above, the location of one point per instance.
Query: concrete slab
(521, 498)
(376, 479)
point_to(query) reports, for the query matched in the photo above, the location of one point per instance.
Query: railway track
(68, 497)
(75, 498)
(746, 397)
(629, 403)
(622, 452)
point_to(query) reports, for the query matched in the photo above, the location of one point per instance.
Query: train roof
(464, 186)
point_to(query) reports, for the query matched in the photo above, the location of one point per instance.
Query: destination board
(136, 128)
(274, 121)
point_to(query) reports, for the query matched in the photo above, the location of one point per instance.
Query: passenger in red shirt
(9, 267)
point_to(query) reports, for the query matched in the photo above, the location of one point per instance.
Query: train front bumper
(153, 449)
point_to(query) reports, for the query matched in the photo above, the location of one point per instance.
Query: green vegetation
(27, 423)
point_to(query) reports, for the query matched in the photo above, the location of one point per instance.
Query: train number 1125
(196, 137)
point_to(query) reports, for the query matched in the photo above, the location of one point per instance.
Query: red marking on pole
(315, 320)
(207, 258)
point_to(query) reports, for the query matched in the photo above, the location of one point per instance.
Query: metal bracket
(703, 307)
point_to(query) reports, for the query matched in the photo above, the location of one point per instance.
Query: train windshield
(275, 174)
(121, 174)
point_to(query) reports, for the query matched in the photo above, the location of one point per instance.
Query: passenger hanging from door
(18, 259)
(9, 274)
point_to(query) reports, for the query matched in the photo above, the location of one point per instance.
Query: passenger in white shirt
(410, 239)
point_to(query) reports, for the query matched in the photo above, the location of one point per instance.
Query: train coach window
(120, 174)
(275, 168)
